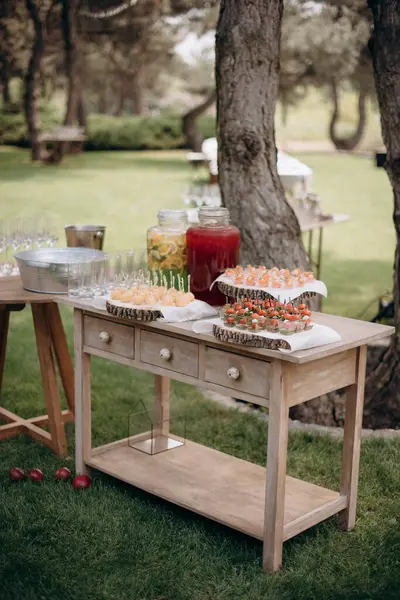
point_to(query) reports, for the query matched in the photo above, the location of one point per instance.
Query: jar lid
(172, 214)
(215, 212)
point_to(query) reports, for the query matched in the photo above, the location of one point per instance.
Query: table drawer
(170, 353)
(237, 372)
(108, 336)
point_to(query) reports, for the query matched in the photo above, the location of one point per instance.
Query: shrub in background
(160, 132)
(13, 130)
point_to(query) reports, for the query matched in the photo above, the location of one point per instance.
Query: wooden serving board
(133, 313)
(247, 338)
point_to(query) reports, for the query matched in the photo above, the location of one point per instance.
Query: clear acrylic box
(149, 433)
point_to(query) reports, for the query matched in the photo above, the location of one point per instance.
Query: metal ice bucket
(85, 236)
(46, 270)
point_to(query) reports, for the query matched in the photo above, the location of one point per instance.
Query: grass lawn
(118, 543)
(125, 190)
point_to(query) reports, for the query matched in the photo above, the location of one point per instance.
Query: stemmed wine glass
(22, 234)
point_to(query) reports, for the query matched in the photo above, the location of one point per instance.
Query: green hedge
(134, 133)
(161, 132)
(13, 130)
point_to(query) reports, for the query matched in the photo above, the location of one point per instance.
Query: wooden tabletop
(12, 292)
(354, 333)
(309, 222)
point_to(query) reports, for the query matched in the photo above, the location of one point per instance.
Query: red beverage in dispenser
(212, 247)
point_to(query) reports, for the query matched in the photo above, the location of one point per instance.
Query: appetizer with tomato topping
(268, 315)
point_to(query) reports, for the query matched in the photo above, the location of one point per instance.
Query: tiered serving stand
(248, 338)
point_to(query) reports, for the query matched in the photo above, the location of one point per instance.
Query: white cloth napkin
(171, 314)
(281, 294)
(192, 312)
(319, 335)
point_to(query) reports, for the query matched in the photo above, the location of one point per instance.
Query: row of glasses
(23, 234)
(203, 195)
(87, 280)
(125, 269)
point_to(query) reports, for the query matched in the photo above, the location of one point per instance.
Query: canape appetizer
(152, 296)
(276, 278)
(268, 315)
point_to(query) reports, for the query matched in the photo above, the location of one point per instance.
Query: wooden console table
(263, 503)
(50, 338)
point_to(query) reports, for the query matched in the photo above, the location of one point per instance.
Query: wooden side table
(50, 341)
(309, 224)
(263, 503)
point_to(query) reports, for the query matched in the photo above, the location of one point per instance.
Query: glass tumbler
(87, 280)
(74, 280)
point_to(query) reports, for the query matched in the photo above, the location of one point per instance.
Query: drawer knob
(233, 373)
(104, 336)
(165, 354)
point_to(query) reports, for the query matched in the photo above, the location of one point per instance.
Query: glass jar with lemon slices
(166, 244)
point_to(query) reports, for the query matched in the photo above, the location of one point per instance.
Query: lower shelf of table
(221, 487)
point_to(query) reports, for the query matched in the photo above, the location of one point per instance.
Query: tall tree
(326, 47)
(193, 137)
(247, 75)
(15, 39)
(383, 384)
(69, 24)
(133, 47)
(31, 78)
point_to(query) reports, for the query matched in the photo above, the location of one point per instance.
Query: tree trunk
(382, 402)
(5, 82)
(193, 137)
(31, 92)
(81, 112)
(121, 101)
(137, 95)
(247, 74)
(70, 36)
(353, 140)
(101, 102)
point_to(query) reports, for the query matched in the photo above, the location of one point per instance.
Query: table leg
(49, 378)
(162, 397)
(276, 471)
(319, 255)
(352, 442)
(83, 425)
(4, 322)
(61, 352)
(310, 240)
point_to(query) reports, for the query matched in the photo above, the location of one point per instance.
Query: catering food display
(263, 277)
(152, 296)
(267, 315)
(145, 302)
(213, 245)
(260, 282)
(268, 307)
(166, 243)
(217, 351)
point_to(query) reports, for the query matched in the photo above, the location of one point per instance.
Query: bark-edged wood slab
(132, 314)
(248, 339)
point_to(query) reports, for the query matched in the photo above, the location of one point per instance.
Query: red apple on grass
(16, 474)
(62, 474)
(36, 475)
(81, 482)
